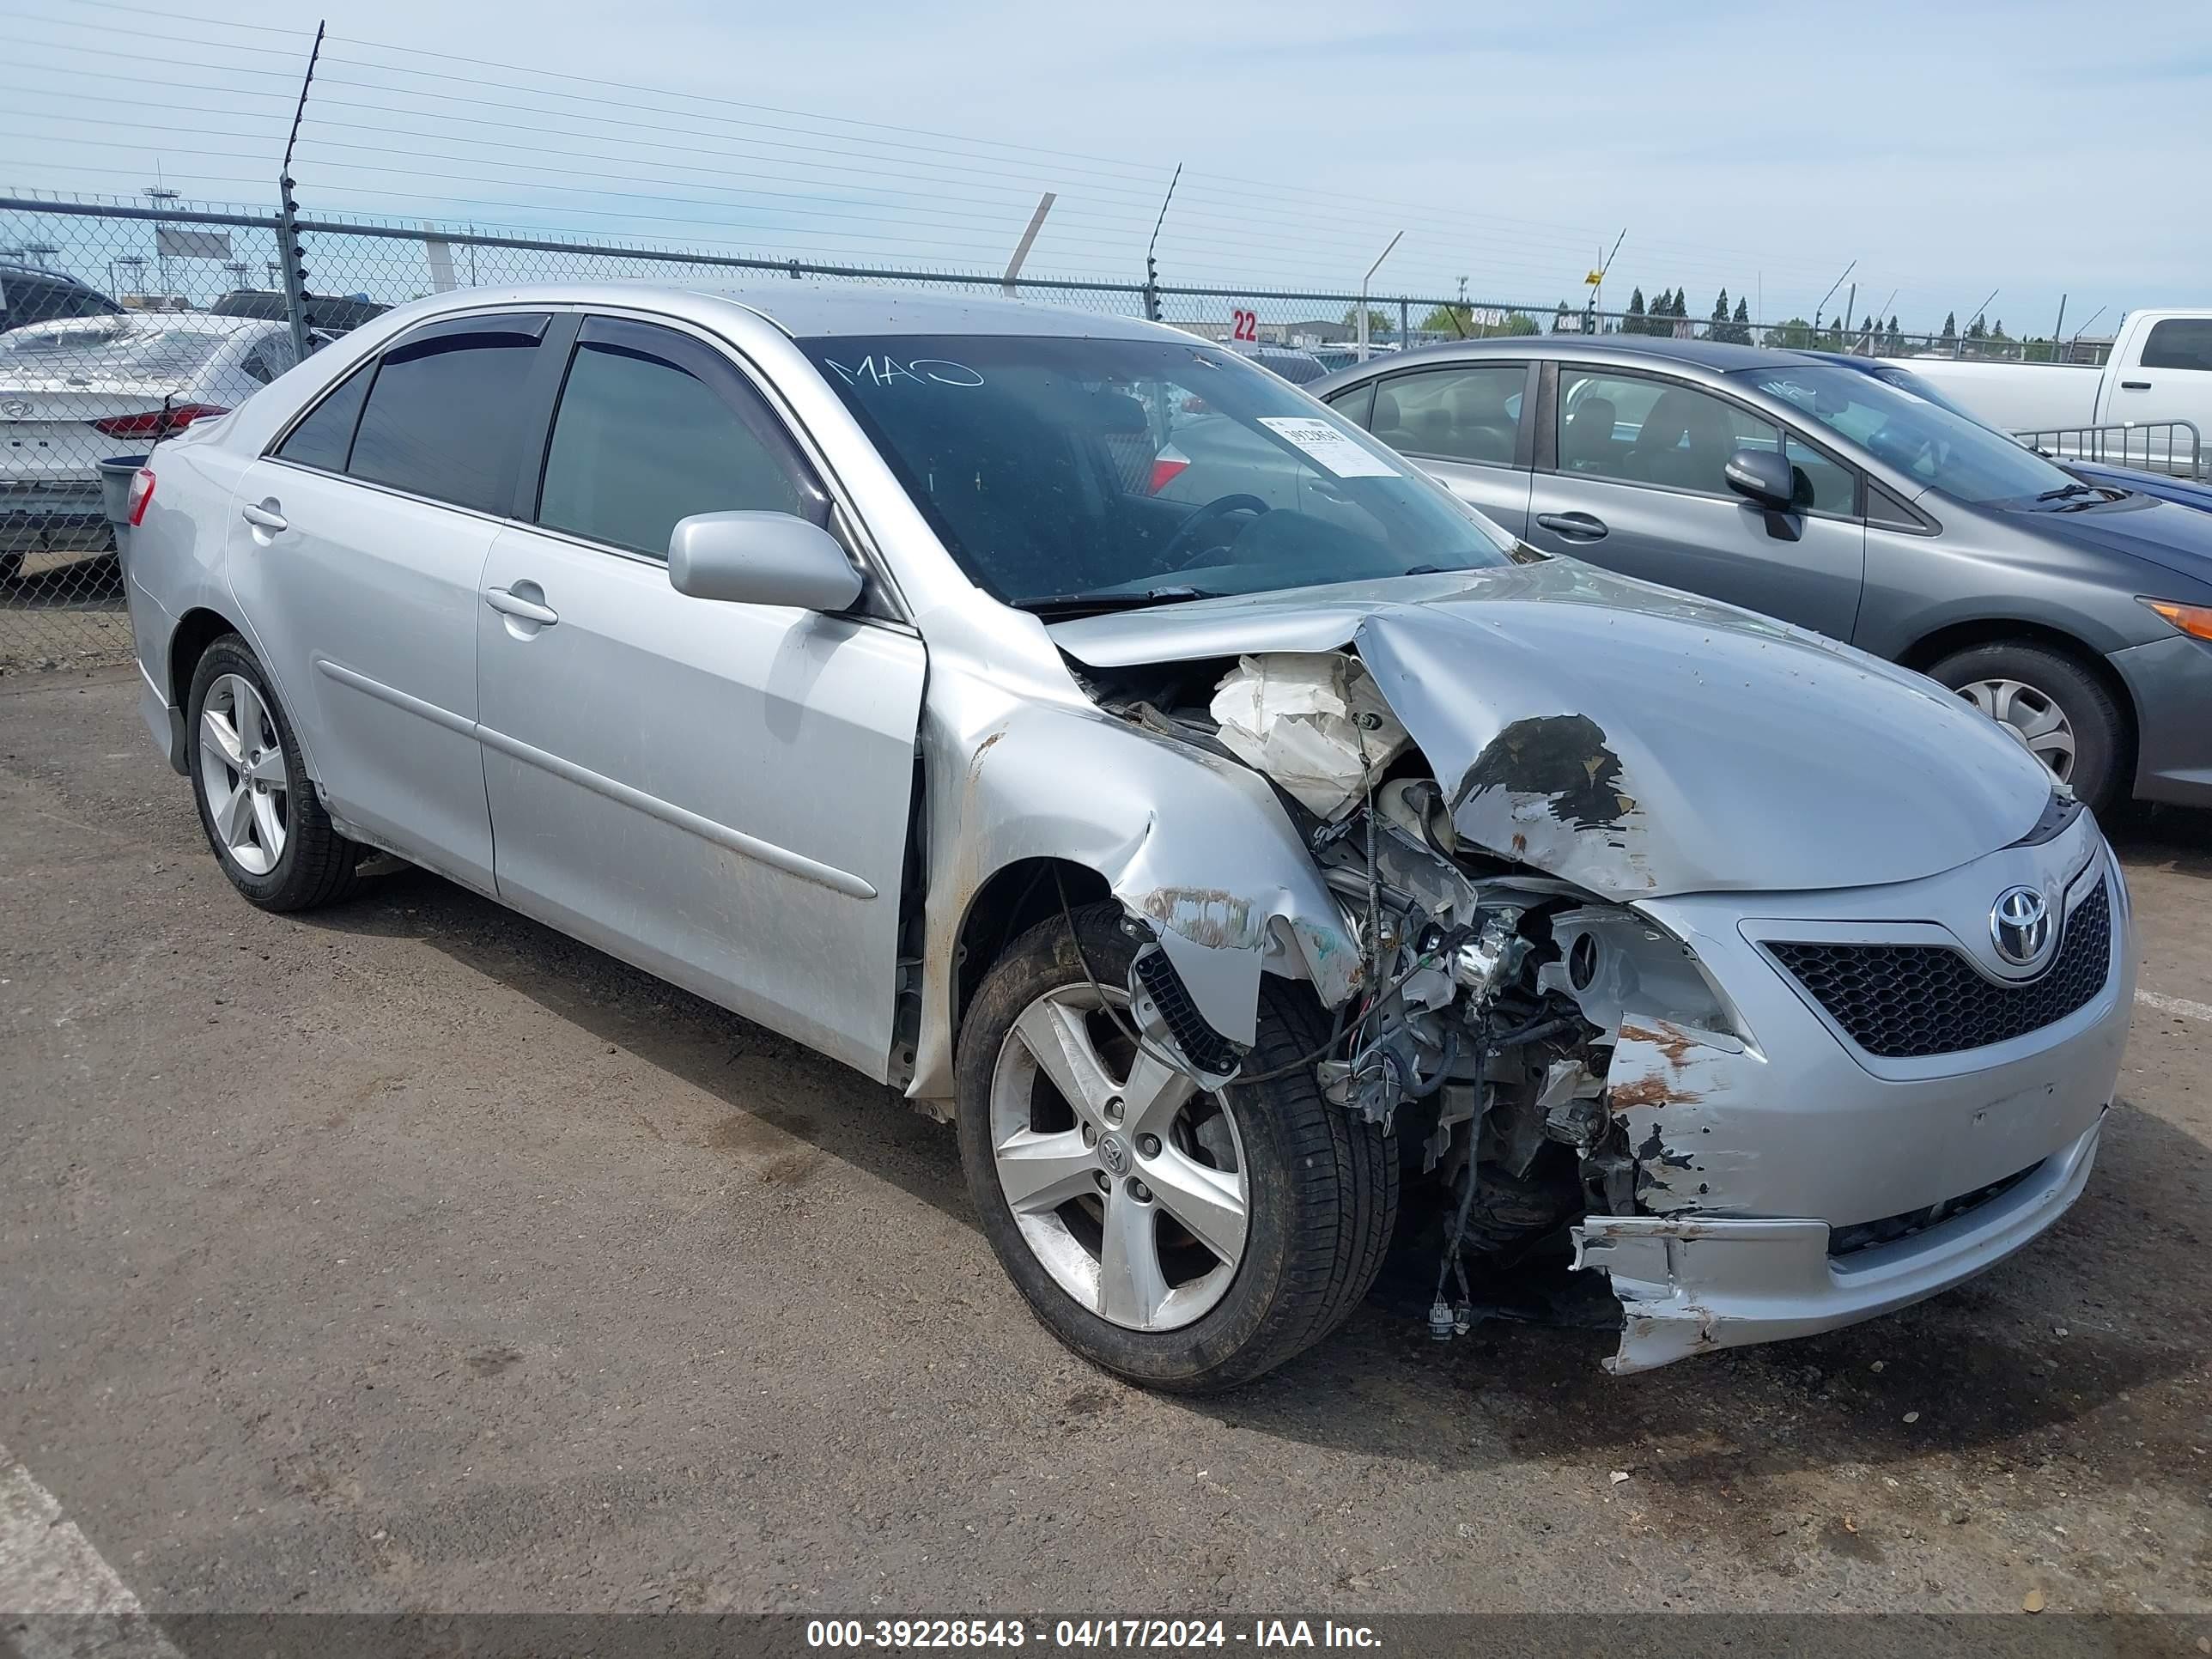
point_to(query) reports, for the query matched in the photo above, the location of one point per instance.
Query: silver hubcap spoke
(243, 775)
(2032, 716)
(1126, 1182)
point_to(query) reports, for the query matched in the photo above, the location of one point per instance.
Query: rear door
(1629, 476)
(357, 550)
(716, 791)
(1464, 423)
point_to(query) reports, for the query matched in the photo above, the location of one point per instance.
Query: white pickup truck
(2159, 375)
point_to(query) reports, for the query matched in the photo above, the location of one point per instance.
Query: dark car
(2164, 485)
(333, 313)
(2079, 614)
(29, 293)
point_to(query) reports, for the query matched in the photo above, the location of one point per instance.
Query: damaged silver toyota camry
(1265, 860)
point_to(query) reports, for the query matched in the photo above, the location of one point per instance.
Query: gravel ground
(410, 1256)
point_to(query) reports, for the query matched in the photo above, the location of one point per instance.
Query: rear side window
(1455, 414)
(653, 427)
(2180, 343)
(325, 438)
(445, 416)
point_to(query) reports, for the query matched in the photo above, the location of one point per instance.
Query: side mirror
(761, 558)
(1762, 476)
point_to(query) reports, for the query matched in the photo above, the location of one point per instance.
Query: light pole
(158, 194)
(1364, 281)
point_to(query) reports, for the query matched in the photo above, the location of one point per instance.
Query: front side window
(1962, 458)
(651, 429)
(1118, 471)
(1453, 414)
(444, 416)
(2180, 343)
(1653, 432)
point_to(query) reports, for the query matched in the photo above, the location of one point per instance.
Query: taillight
(142, 494)
(156, 423)
(1165, 467)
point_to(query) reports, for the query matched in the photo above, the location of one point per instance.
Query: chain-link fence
(121, 324)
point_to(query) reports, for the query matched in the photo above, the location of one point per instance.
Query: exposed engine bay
(1514, 1028)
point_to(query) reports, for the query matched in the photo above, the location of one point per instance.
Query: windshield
(106, 348)
(1963, 458)
(1057, 468)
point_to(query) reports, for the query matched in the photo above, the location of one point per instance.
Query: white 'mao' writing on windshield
(889, 371)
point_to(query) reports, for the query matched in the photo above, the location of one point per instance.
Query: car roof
(811, 310)
(151, 322)
(1715, 355)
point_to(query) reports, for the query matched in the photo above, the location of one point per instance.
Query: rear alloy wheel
(257, 803)
(2060, 713)
(1180, 1237)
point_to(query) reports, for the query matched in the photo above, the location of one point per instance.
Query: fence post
(1405, 329)
(292, 256)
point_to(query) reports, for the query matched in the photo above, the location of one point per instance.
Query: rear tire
(1318, 1189)
(2029, 686)
(257, 805)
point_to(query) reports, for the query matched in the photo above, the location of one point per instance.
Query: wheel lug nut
(1140, 1192)
(1090, 1135)
(1114, 1109)
(1148, 1145)
(1104, 1185)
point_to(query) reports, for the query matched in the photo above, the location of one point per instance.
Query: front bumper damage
(1694, 1284)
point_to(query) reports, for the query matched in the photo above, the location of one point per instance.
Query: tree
(1737, 330)
(1795, 335)
(1720, 318)
(1892, 337)
(1950, 328)
(1632, 323)
(1516, 324)
(1376, 322)
(1456, 320)
(1978, 330)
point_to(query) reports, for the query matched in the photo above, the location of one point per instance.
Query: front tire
(1179, 1239)
(2061, 713)
(257, 803)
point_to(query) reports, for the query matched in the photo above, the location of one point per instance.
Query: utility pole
(1820, 308)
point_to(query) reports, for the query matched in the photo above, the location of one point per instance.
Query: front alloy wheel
(1180, 1237)
(1126, 1182)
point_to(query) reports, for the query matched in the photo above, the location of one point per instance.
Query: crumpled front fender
(1197, 846)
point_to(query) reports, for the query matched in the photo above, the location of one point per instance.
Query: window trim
(1548, 458)
(1523, 438)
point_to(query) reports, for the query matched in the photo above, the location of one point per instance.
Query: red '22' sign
(1244, 325)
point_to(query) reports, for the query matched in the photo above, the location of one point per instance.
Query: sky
(1939, 152)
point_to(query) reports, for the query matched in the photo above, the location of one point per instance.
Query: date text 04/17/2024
(1168, 1635)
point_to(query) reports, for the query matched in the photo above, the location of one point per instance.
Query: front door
(716, 791)
(1463, 422)
(1632, 479)
(358, 547)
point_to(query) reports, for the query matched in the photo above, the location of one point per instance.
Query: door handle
(263, 515)
(2134, 385)
(1575, 526)
(509, 603)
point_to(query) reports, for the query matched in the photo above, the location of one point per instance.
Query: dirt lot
(410, 1256)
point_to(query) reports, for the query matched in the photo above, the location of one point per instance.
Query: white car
(76, 391)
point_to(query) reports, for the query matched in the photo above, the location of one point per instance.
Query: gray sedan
(1080, 732)
(2078, 614)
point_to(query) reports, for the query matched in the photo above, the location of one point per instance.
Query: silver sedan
(1081, 731)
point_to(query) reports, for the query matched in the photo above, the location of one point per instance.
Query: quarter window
(653, 427)
(1653, 432)
(1454, 413)
(444, 416)
(325, 439)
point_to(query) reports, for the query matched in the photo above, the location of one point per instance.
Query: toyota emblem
(2020, 926)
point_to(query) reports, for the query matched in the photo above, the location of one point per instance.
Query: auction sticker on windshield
(1328, 447)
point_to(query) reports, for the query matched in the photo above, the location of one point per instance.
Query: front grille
(1900, 1001)
(1847, 1240)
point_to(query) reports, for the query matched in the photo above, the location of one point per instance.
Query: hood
(2159, 532)
(1634, 740)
